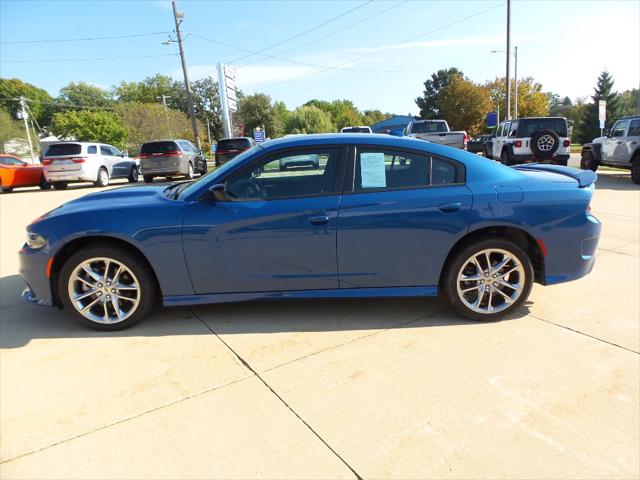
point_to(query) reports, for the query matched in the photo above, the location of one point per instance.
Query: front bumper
(32, 269)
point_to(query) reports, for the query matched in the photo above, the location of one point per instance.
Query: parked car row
(64, 163)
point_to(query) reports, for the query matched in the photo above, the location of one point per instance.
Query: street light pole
(26, 126)
(177, 16)
(515, 79)
(508, 57)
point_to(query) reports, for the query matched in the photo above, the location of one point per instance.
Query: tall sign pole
(26, 126)
(515, 80)
(508, 56)
(222, 88)
(177, 16)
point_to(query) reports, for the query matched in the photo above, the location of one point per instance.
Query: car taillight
(466, 138)
(79, 160)
(144, 155)
(566, 143)
(174, 153)
(47, 161)
(517, 143)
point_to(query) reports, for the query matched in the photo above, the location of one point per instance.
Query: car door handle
(619, 143)
(450, 207)
(319, 220)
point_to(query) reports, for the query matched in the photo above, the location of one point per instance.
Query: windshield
(10, 161)
(234, 144)
(63, 149)
(529, 126)
(158, 147)
(428, 127)
(218, 172)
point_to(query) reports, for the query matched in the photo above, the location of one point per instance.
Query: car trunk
(160, 156)
(65, 157)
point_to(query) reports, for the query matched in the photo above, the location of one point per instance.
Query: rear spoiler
(584, 177)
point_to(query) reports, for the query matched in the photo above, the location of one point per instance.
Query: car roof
(534, 118)
(629, 117)
(235, 138)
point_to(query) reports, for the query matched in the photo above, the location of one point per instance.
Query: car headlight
(35, 241)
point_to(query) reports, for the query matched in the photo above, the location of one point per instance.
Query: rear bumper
(527, 158)
(572, 255)
(72, 176)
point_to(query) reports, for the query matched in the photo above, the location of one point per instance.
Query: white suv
(534, 139)
(70, 162)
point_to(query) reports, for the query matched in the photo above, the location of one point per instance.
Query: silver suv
(171, 158)
(71, 162)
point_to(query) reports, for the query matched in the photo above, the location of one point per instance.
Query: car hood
(115, 199)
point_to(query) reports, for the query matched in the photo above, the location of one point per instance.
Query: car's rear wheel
(635, 170)
(587, 162)
(44, 185)
(505, 158)
(190, 171)
(133, 175)
(488, 279)
(60, 185)
(5, 189)
(103, 178)
(106, 288)
(147, 178)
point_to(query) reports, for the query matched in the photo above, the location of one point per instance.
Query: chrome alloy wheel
(545, 143)
(104, 290)
(490, 281)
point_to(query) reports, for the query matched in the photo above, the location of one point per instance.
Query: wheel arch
(76, 244)
(594, 148)
(517, 235)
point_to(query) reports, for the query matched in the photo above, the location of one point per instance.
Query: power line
(331, 34)
(57, 104)
(86, 39)
(383, 49)
(88, 59)
(309, 30)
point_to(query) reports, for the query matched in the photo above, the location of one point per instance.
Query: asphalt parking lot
(394, 388)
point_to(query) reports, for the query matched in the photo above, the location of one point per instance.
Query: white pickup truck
(437, 131)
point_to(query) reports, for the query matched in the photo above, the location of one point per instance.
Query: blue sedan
(375, 216)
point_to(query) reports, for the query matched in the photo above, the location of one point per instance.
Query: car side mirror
(218, 192)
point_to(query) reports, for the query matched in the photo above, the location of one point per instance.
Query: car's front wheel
(133, 175)
(587, 162)
(106, 288)
(488, 279)
(635, 170)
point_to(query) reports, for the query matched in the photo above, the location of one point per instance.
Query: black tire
(587, 162)
(544, 143)
(147, 178)
(133, 175)
(189, 175)
(561, 162)
(60, 185)
(44, 185)
(635, 170)
(148, 291)
(6, 189)
(102, 179)
(506, 159)
(203, 170)
(459, 258)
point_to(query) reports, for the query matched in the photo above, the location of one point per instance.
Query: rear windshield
(356, 130)
(529, 126)
(63, 149)
(159, 147)
(234, 144)
(428, 127)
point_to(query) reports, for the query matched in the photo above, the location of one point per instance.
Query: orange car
(16, 173)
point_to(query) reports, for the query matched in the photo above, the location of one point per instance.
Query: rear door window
(158, 147)
(61, 149)
(92, 149)
(634, 128)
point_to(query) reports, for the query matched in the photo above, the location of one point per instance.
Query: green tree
(149, 121)
(281, 116)
(630, 102)
(39, 101)
(206, 100)
(256, 111)
(309, 119)
(151, 89)
(589, 126)
(89, 126)
(85, 95)
(532, 102)
(371, 117)
(9, 128)
(465, 105)
(429, 103)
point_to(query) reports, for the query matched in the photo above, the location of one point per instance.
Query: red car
(16, 173)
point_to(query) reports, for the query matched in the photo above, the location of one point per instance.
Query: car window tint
(620, 128)
(377, 169)
(59, 149)
(104, 150)
(444, 173)
(92, 149)
(428, 127)
(10, 161)
(287, 175)
(529, 126)
(158, 147)
(115, 151)
(513, 129)
(634, 128)
(234, 144)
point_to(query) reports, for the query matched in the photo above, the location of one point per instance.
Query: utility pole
(26, 125)
(164, 100)
(178, 16)
(209, 132)
(515, 79)
(508, 56)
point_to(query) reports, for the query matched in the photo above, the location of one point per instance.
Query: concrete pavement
(331, 389)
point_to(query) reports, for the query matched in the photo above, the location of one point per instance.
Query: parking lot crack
(279, 397)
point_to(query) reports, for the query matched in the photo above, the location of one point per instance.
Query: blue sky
(562, 44)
